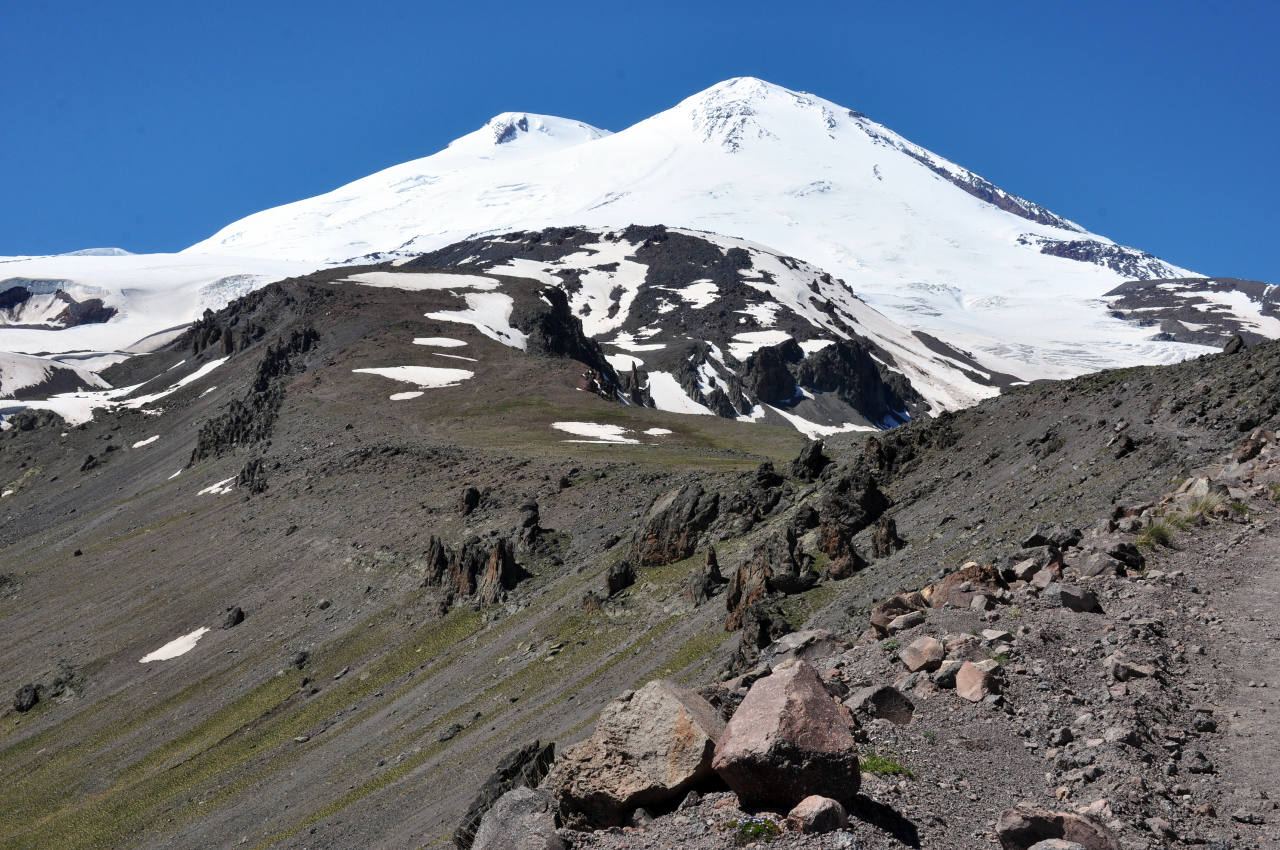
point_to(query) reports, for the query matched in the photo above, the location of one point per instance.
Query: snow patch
(175, 647)
(421, 281)
(407, 396)
(148, 441)
(599, 432)
(667, 394)
(438, 341)
(745, 344)
(219, 488)
(427, 377)
(489, 313)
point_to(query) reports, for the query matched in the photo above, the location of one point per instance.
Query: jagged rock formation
(249, 420)
(479, 569)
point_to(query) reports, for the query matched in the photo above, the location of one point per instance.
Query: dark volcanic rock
(673, 525)
(27, 697)
(620, 576)
(848, 370)
(704, 583)
(468, 500)
(234, 617)
(811, 461)
(767, 376)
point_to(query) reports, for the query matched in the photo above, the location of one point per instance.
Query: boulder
(959, 588)
(468, 500)
(234, 617)
(788, 741)
(906, 621)
(27, 697)
(945, 675)
(649, 748)
(1022, 828)
(975, 681)
(883, 702)
(923, 653)
(817, 814)
(893, 607)
(1121, 669)
(673, 525)
(521, 819)
(1055, 536)
(523, 767)
(1073, 598)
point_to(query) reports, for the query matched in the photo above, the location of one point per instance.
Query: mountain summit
(932, 244)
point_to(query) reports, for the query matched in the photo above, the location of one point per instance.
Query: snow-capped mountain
(933, 245)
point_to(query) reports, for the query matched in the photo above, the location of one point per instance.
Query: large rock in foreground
(649, 748)
(787, 741)
(1023, 827)
(521, 819)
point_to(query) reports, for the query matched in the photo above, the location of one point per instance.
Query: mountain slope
(312, 464)
(926, 241)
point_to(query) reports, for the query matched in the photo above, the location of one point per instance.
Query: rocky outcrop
(809, 464)
(649, 748)
(673, 525)
(481, 570)
(774, 566)
(525, 767)
(705, 582)
(848, 370)
(788, 741)
(619, 577)
(26, 698)
(766, 373)
(250, 419)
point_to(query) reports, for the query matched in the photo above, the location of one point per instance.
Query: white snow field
(421, 281)
(175, 647)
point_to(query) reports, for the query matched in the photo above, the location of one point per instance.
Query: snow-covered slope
(151, 293)
(931, 244)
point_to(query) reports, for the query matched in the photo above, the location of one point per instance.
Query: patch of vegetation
(1159, 533)
(1000, 658)
(931, 737)
(1013, 611)
(757, 828)
(882, 765)
(890, 645)
(1203, 507)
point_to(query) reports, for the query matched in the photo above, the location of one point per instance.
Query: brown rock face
(648, 748)
(673, 525)
(1021, 828)
(788, 741)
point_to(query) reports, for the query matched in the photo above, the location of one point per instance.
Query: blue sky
(149, 125)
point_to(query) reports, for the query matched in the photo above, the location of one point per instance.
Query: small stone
(817, 814)
(1243, 816)
(344, 671)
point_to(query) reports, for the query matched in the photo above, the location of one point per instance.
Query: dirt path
(1243, 587)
